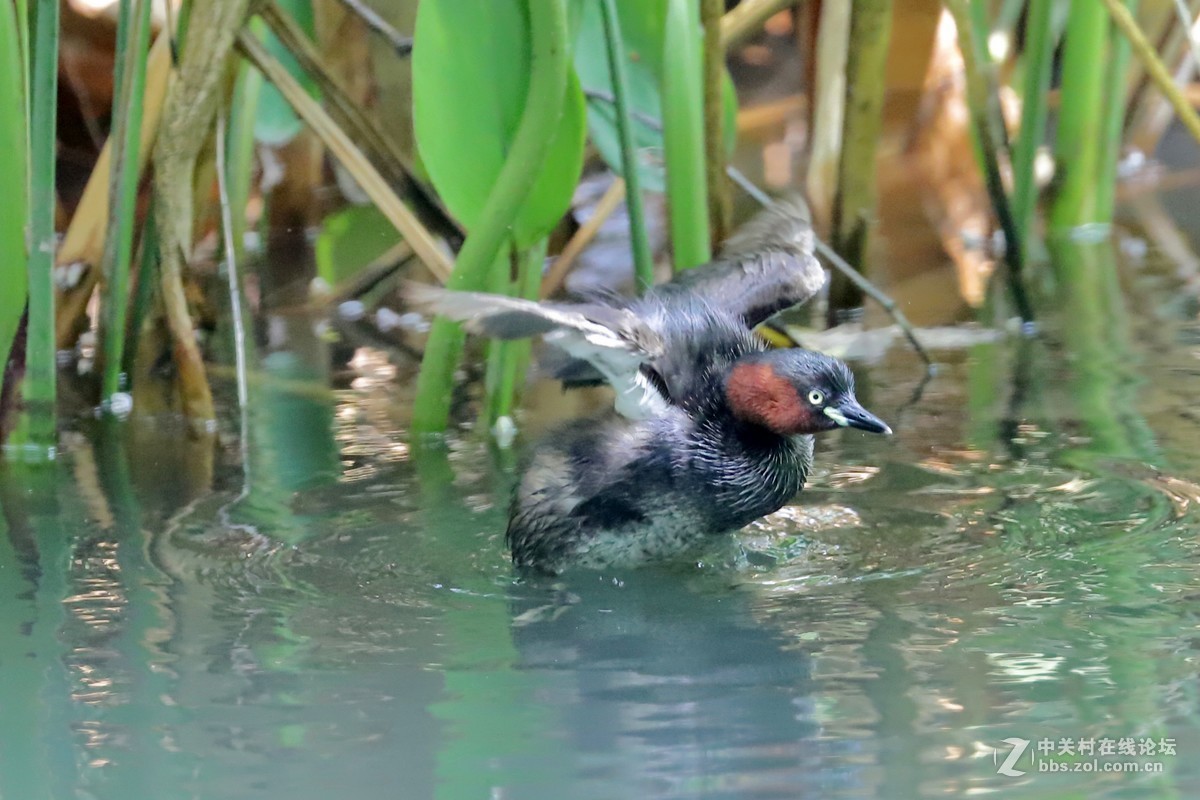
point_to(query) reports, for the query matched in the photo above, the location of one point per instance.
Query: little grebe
(711, 429)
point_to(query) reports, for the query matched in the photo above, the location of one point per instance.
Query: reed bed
(480, 189)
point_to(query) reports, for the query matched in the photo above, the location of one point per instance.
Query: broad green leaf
(470, 79)
(643, 27)
(275, 123)
(13, 183)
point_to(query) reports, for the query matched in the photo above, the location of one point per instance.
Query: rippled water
(1019, 562)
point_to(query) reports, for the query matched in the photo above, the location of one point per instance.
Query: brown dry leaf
(83, 243)
(188, 115)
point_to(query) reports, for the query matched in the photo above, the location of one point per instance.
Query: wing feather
(767, 266)
(613, 341)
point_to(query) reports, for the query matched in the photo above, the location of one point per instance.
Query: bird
(710, 428)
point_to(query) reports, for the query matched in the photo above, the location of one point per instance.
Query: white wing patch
(637, 397)
(617, 355)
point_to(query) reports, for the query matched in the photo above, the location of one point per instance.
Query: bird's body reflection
(674, 686)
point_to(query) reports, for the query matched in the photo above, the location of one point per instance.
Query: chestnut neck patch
(760, 395)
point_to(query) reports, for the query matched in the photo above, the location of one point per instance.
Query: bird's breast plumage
(616, 492)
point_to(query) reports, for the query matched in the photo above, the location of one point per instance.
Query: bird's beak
(851, 415)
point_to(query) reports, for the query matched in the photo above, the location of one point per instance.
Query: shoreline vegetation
(232, 129)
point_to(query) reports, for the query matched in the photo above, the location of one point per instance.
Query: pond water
(1021, 561)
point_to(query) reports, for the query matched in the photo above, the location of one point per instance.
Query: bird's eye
(816, 397)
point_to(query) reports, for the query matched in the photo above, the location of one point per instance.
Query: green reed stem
(43, 136)
(1081, 116)
(981, 30)
(1035, 110)
(854, 203)
(511, 358)
(719, 203)
(147, 264)
(643, 261)
(13, 179)
(19, 47)
(240, 169)
(1116, 81)
(133, 44)
(499, 282)
(983, 101)
(543, 107)
(683, 135)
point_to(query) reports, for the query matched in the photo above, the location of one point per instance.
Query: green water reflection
(1020, 560)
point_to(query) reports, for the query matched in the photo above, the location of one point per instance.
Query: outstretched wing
(613, 341)
(767, 266)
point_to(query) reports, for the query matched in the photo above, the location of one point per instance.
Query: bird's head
(797, 391)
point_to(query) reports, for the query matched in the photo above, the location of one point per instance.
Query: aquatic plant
(505, 96)
(13, 186)
(509, 183)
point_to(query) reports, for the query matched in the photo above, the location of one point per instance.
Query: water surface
(1020, 561)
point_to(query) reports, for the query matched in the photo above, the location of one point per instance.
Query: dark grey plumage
(673, 464)
(766, 266)
(611, 491)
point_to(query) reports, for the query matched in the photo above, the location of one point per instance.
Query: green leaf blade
(471, 69)
(13, 181)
